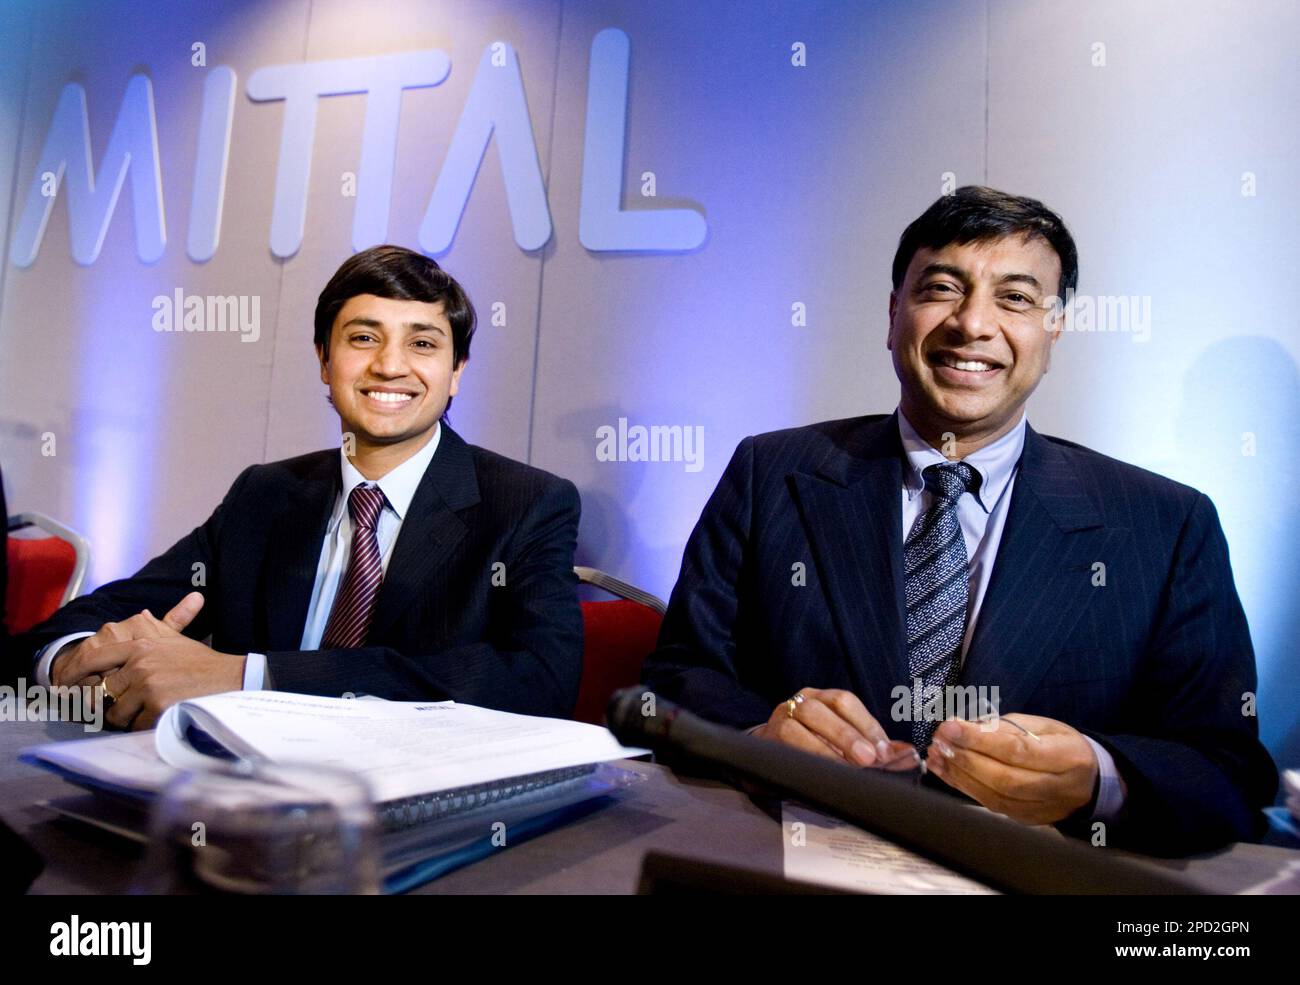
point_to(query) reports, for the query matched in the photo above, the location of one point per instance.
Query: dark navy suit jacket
(1153, 664)
(441, 627)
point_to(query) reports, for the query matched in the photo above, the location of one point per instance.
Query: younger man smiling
(407, 564)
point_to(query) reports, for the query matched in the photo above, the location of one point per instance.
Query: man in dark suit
(407, 564)
(849, 579)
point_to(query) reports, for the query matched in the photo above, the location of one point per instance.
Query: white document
(401, 748)
(830, 852)
(129, 761)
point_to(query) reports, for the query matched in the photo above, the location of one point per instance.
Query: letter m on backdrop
(132, 148)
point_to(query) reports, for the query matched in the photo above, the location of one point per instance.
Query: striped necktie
(355, 602)
(937, 583)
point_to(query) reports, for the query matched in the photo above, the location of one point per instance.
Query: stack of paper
(435, 770)
(826, 851)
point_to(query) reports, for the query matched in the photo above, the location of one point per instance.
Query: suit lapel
(294, 555)
(1042, 577)
(851, 509)
(430, 531)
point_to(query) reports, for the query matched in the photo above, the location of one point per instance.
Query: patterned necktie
(355, 602)
(936, 579)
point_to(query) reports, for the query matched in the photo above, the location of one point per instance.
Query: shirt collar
(995, 462)
(399, 485)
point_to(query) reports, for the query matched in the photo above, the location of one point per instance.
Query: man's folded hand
(71, 665)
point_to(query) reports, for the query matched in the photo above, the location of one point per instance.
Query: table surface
(598, 853)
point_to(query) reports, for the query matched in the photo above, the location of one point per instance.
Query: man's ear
(455, 377)
(324, 372)
(1055, 322)
(893, 307)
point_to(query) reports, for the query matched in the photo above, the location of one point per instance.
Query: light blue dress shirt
(983, 515)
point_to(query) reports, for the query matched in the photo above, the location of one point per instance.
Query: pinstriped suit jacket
(441, 627)
(1153, 663)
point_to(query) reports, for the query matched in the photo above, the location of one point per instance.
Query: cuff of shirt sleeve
(45, 657)
(255, 676)
(1110, 792)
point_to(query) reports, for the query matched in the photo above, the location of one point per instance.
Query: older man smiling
(950, 546)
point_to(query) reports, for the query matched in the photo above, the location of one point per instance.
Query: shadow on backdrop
(1236, 442)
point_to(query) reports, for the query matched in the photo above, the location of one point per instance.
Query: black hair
(975, 213)
(403, 275)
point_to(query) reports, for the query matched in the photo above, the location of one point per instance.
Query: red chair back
(39, 571)
(618, 636)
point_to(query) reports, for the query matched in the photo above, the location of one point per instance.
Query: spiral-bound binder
(416, 852)
(444, 832)
(396, 815)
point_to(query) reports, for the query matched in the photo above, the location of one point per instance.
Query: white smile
(385, 397)
(966, 365)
